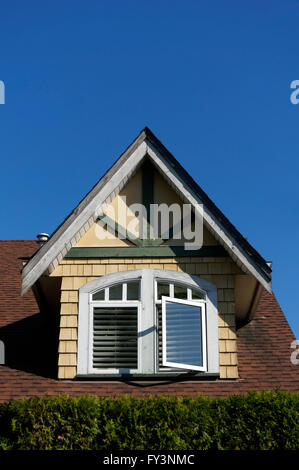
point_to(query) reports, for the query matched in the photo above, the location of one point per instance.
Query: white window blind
(183, 334)
(115, 331)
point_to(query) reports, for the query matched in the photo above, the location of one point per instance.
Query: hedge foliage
(264, 421)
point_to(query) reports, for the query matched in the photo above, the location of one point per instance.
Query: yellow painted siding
(98, 236)
(132, 192)
(76, 273)
(164, 192)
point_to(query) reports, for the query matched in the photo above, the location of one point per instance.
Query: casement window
(147, 322)
(181, 329)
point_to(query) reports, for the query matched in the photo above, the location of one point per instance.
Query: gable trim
(61, 241)
(215, 226)
(146, 145)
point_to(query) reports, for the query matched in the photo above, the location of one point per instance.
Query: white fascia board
(34, 269)
(228, 242)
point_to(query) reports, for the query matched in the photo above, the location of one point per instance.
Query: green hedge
(265, 420)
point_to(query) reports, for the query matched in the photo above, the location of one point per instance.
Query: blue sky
(211, 80)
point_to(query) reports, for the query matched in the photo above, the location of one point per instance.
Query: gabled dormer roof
(146, 145)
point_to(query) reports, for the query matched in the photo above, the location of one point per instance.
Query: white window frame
(161, 369)
(147, 318)
(202, 305)
(172, 284)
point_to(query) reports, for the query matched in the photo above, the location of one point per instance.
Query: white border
(147, 325)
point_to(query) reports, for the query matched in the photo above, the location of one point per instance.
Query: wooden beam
(120, 230)
(147, 195)
(145, 252)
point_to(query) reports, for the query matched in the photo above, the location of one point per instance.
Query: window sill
(150, 377)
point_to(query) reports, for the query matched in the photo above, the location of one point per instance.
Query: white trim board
(225, 239)
(67, 235)
(62, 238)
(196, 304)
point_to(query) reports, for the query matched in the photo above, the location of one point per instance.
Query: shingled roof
(31, 348)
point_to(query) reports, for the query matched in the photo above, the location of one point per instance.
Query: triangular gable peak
(145, 148)
(124, 218)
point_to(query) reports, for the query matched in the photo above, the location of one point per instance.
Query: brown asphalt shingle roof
(263, 348)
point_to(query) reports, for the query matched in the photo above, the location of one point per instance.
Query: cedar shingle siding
(219, 271)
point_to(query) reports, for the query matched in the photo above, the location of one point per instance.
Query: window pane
(163, 289)
(133, 291)
(183, 335)
(115, 338)
(180, 292)
(99, 295)
(116, 292)
(196, 294)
